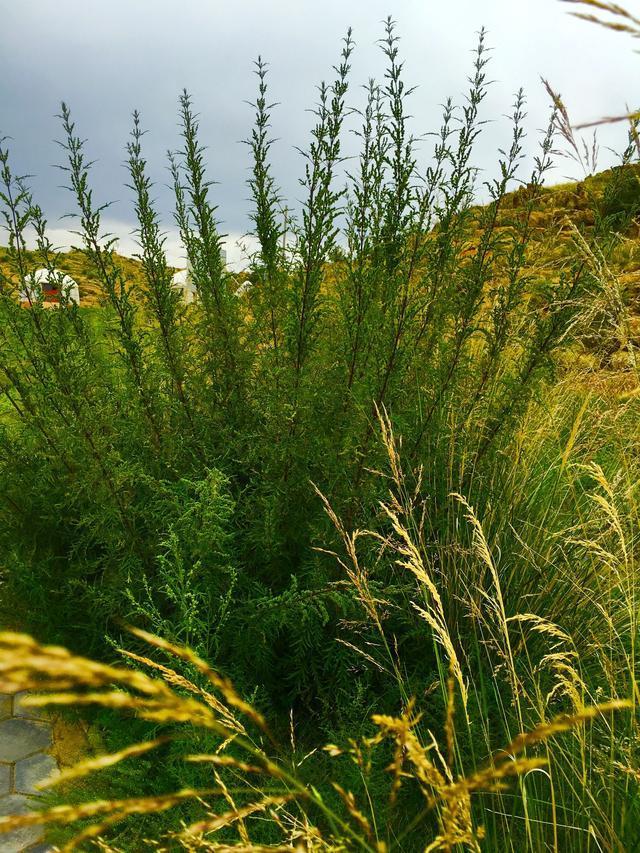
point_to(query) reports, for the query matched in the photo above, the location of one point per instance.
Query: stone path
(25, 739)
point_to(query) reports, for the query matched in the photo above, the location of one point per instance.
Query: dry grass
(62, 679)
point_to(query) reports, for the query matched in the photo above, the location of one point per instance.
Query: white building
(50, 286)
(183, 282)
(245, 287)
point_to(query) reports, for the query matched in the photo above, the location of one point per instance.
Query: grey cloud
(105, 59)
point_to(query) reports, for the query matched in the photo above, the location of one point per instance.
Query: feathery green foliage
(165, 464)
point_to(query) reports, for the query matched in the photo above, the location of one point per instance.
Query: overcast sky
(107, 57)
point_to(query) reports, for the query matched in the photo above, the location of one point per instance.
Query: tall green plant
(396, 291)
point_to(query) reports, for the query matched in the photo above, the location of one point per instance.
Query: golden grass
(25, 664)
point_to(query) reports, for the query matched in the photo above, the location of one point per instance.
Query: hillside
(561, 210)
(564, 217)
(564, 210)
(76, 264)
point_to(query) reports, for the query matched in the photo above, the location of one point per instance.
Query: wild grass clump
(213, 473)
(251, 778)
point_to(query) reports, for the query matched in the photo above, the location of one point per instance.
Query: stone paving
(25, 738)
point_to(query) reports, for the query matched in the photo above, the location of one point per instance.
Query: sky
(105, 59)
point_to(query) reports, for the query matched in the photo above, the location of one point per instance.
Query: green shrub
(157, 458)
(621, 199)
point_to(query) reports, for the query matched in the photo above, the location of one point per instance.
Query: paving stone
(14, 842)
(24, 735)
(20, 710)
(6, 705)
(20, 738)
(32, 770)
(5, 781)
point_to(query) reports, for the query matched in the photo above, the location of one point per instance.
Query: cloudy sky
(107, 58)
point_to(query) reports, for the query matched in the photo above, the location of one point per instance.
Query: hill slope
(76, 264)
(561, 210)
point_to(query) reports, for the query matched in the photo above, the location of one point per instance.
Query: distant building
(183, 282)
(245, 287)
(49, 286)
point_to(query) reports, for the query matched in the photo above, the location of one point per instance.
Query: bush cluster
(194, 469)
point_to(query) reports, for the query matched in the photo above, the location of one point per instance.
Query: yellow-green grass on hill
(76, 264)
(562, 213)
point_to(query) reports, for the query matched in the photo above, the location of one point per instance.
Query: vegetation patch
(381, 506)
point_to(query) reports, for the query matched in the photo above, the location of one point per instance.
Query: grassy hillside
(561, 211)
(76, 264)
(564, 211)
(563, 224)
